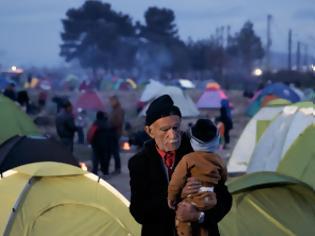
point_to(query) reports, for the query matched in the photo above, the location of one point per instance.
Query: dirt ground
(129, 100)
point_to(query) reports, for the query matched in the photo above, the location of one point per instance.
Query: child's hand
(171, 204)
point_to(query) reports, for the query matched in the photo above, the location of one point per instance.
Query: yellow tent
(50, 198)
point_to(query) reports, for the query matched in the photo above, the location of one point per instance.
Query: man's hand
(186, 212)
(192, 186)
(171, 204)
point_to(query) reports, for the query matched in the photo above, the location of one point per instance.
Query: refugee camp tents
(272, 91)
(20, 150)
(294, 123)
(267, 203)
(4, 82)
(186, 84)
(245, 145)
(183, 101)
(70, 82)
(14, 121)
(309, 94)
(89, 100)
(50, 198)
(211, 98)
(124, 84)
(151, 90)
(213, 85)
(207, 84)
(299, 161)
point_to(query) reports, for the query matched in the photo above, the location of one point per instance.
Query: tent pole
(17, 204)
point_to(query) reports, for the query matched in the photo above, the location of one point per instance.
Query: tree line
(98, 37)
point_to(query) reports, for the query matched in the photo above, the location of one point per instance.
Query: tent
(245, 145)
(50, 198)
(14, 121)
(299, 160)
(20, 150)
(213, 85)
(70, 82)
(186, 84)
(151, 90)
(183, 101)
(272, 91)
(211, 98)
(309, 94)
(89, 100)
(4, 82)
(286, 130)
(267, 203)
(125, 84)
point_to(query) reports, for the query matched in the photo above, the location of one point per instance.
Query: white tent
(246, 143)
(184, 102)
(280, 135)
(151, 90)
(186, 83)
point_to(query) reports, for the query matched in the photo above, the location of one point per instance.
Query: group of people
(103, 135)
(177, 181)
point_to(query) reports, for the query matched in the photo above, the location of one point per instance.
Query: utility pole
(222, 36)
(217, 35)
(269, 42)
(298, 56)
(228, 35)
(305, 57)
(290, 50)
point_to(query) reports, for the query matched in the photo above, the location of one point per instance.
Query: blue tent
(282, 91)
(278, 90)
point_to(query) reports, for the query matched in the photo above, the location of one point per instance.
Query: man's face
(166, 132)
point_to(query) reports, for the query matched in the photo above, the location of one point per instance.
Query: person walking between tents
(65, 125)
(116, 121)
(100, 137)
(226, 118)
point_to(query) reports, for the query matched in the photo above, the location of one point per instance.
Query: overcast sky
(30, 29)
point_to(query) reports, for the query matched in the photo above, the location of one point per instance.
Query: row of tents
(276, 155)
(210, 99)
(278, 138)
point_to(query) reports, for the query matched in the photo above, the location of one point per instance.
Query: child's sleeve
(178, 180)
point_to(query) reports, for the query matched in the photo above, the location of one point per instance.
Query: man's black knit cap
(161, 107)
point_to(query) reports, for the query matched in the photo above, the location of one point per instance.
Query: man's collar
(163, 153)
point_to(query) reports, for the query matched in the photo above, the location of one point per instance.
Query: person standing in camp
(116, 121)
(203, 164)
(10, 91)
(226, 118)
(151, 169)
(65, 125)
(81, 122)
(99, 136)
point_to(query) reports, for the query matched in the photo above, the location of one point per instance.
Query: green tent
(299, 160)
(269, 203)
(14, 121)
(247, 141)
(278, 138)
(50, 198)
